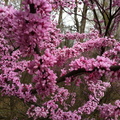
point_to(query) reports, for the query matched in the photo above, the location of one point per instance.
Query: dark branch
(100, 7)
(75, 73)
(78, 15)
(108, 26)
(96, 17)
(117, 11)
(110, 7)
(115, 68)
(82, 71)
(32, 8)
(36, 49)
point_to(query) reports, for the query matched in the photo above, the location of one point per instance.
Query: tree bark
(75, 17)
(6, 2)
(60, 20)
(83, 20)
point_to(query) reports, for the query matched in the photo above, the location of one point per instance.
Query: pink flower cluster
(55, 113)
(37, 112)
(116, 2)
(62, 3)
(113, 53)
(44, 78)
(91, 64)
(11, 85)
(77, 36)
(95, 42)
(108, 111)
(29, 42)
(97, 88)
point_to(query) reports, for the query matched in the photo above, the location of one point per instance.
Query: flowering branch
(82, 71)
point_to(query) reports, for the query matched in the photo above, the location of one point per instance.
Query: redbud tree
(30, 43)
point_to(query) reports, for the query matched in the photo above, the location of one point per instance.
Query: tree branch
(96, 17)
(82, 71)
(99, 6)
(36, 49)
(32, 8)
(83, 21)
(110, 8)
(114, 15)
(75, 73)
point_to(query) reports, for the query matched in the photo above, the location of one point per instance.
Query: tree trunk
(83, 20)
(75, 17)
(60, 20)
(6, 2)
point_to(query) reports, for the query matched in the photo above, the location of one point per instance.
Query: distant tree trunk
(60, 23)
(60, 20)
(83, 20)
(75, 17)
(117, 36)
(6, 2)
(96, 18)
(20, 3)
